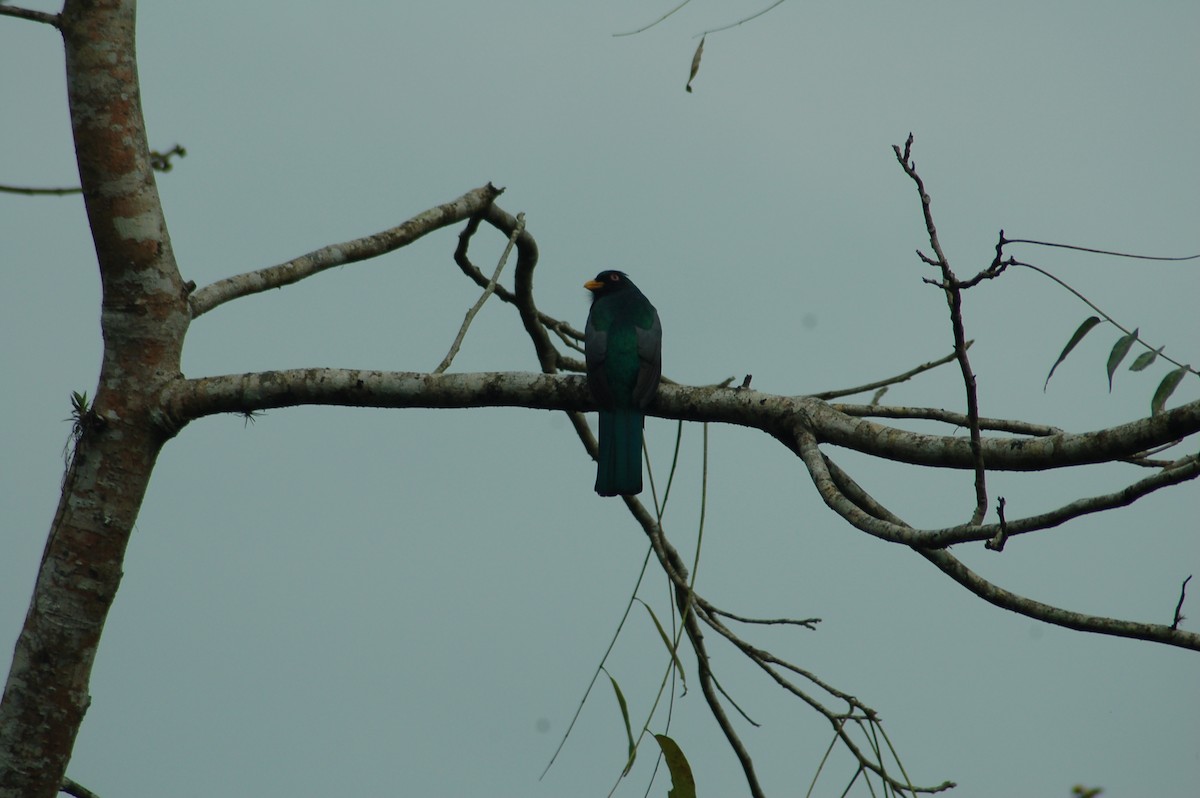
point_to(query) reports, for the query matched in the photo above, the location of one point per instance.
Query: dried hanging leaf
(1076, 337)
(695, 64)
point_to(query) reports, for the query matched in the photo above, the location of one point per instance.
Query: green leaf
(1145, 359)
(666, 642)
(1166, 388)
(1076, 337)
(1119, 351)
(624, 717)
(683, 784)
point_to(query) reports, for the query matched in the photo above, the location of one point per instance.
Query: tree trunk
(144, 318)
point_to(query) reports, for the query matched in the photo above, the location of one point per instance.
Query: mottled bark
(144, 317)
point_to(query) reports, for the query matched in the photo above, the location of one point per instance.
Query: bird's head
(608, 282)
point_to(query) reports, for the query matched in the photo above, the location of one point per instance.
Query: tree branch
(821, 469)
(186, 399)
(40, 192)
(953, 291)
(488, 290)
(949, 565)
(74, 788)
(222, 291)
(871, 386)
(33, 16)
(949, 417)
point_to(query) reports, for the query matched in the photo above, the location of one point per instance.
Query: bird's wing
(649, 349)
(595, 351)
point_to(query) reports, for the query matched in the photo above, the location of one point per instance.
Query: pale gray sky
(351, 602)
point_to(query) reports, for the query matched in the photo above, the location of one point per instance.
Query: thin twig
(949, 417)
(1094, 251)
(953, 291)
(159, 162)
(742, 21)
(997, 543)
(1179, 607)
(599, 667)
(714, 705)
(487, 292)
(33, 192)
(655, 22)
(871, 386)
(807, 623)
(33, 16)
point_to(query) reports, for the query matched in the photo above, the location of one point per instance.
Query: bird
(622, 347)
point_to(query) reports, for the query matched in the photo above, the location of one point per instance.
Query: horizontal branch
(947, 417)
(30, 14)
(1011, 454)
(777, 415)
(822, 471)
(40, 192)
(381, 243)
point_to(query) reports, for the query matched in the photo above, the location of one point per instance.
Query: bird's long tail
(619, 466)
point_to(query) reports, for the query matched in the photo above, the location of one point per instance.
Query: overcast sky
(351, 602)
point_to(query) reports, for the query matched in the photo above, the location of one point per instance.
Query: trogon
(623, 349)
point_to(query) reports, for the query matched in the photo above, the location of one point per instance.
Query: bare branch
(560, 328)
(953, 291)
(487, 292)
(997, 543)
(71, 787)
(188, 399)
(807, 623)
(768, 662)
(1004, 599)
(871, 386)
(993, 594)
(33, 192)
(744, 20)
(33, 16)
(949, 417)
(527, 258)
(655, 22)
(714, 705)
(222, 291)
(821, 469)
(1179, 607)
(1003, 454)
(159, 162)
(1004, 240)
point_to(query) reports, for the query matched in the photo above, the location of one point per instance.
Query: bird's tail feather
(619, 465)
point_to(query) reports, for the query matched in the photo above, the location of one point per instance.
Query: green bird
(623, 348)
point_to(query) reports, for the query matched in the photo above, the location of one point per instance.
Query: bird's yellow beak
(593, 285)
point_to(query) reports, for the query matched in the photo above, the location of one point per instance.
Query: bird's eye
(616, 278)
